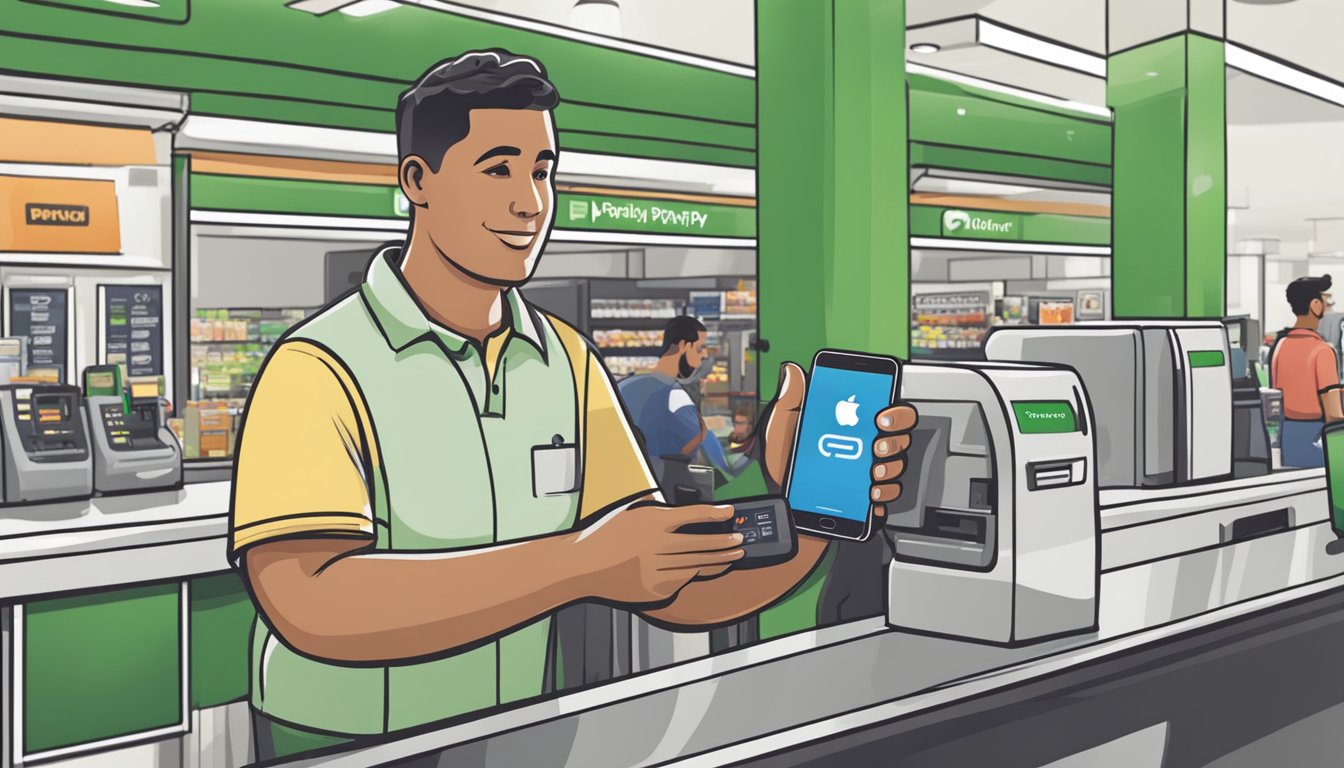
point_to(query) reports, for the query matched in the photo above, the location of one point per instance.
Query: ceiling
(1284, 164)
(1283, 147)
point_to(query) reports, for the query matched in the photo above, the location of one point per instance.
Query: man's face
(741, 426)
(490, 206)
(692, 355)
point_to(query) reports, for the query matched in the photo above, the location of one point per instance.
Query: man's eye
(541, 175)
(501, 171)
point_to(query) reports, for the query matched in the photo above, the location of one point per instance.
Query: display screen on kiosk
(1045, 417)
(144, 390)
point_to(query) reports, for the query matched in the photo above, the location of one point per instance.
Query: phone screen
(833, 463)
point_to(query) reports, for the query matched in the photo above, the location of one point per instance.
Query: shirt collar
(403, 322)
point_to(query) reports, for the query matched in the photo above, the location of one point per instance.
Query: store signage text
(641, 213)
(52, 215)
(958, 223)
(653, 216)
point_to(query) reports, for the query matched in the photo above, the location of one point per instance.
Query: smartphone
(829, 481)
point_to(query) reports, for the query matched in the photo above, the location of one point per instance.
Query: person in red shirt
(1306, 369)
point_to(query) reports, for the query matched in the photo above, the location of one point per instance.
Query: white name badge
(555, 468)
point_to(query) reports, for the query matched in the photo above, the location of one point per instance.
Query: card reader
(766, 525)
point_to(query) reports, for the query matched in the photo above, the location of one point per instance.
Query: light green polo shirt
(369, 420)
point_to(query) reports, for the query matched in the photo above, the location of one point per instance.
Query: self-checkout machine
(44, 443)
(995, 535)
(1180, 535)
(133, 448)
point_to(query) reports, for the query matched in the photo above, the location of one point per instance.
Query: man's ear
(411, 175)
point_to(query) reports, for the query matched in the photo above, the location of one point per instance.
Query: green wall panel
(258, 47)
(946, 113)
(1206, 179)
(985, 161)
(283, 110)
(100, 666)
(212, 192)
(832, 189)
(1169, 200)
(665, 150)
(221, 630)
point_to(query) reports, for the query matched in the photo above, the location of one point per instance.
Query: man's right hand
(635, 555)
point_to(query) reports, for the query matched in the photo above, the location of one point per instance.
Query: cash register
(133, 448)
(45, 444)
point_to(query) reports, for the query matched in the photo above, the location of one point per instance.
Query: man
(1304, 367)
(663, 411)
(430, 467)
(743, 437)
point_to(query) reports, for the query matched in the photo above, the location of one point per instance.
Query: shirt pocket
(555, 469)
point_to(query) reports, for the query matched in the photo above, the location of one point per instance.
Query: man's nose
(528, 204)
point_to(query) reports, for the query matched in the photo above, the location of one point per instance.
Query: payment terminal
(45, 445)
(133, 448)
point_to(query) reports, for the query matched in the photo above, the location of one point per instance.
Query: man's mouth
(518, 240)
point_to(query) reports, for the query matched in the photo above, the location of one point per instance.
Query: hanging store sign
(133, 328)
(44, 215)
(981, 225)
(641, 216)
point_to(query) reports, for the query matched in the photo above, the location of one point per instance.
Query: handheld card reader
(766, 525)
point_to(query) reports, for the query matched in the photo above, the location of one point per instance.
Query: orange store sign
(59, 215)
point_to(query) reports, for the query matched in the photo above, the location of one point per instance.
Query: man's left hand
(893, 438)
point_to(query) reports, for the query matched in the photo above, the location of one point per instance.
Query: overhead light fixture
(926, 48)
(1012, 41)
(369, 7)
(601, 17)
(135, 3)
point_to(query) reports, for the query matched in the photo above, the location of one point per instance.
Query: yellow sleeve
(305, 453)
(614, 469)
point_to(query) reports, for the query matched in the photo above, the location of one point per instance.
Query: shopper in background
(665, 413)
(743, 438)
(1305, 368)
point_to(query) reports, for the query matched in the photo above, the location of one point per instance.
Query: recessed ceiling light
(925, 47)
(1265, 2)
(1151, 74)
(135, 3)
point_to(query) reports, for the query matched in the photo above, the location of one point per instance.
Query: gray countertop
(113, 541)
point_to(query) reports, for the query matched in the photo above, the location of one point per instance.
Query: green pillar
(832, 179)
(833, 195)
(1169, 203)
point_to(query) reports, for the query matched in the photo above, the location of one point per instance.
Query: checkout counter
(1056, 517)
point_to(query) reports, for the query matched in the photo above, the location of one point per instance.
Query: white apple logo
(847, 412)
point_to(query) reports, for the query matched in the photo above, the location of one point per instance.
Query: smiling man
(430, 468)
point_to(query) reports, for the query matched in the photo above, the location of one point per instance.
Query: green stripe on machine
(1206, 359)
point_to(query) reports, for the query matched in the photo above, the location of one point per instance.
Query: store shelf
(630, 351)
(630, 323)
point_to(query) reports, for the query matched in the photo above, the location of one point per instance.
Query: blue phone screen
(833, 463)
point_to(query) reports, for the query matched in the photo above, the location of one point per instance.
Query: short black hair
(681, 328)
(434, 113)
(1304, 290)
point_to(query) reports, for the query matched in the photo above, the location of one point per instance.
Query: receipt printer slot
(1043, 475)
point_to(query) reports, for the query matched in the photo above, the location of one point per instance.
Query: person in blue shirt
(664, 412)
